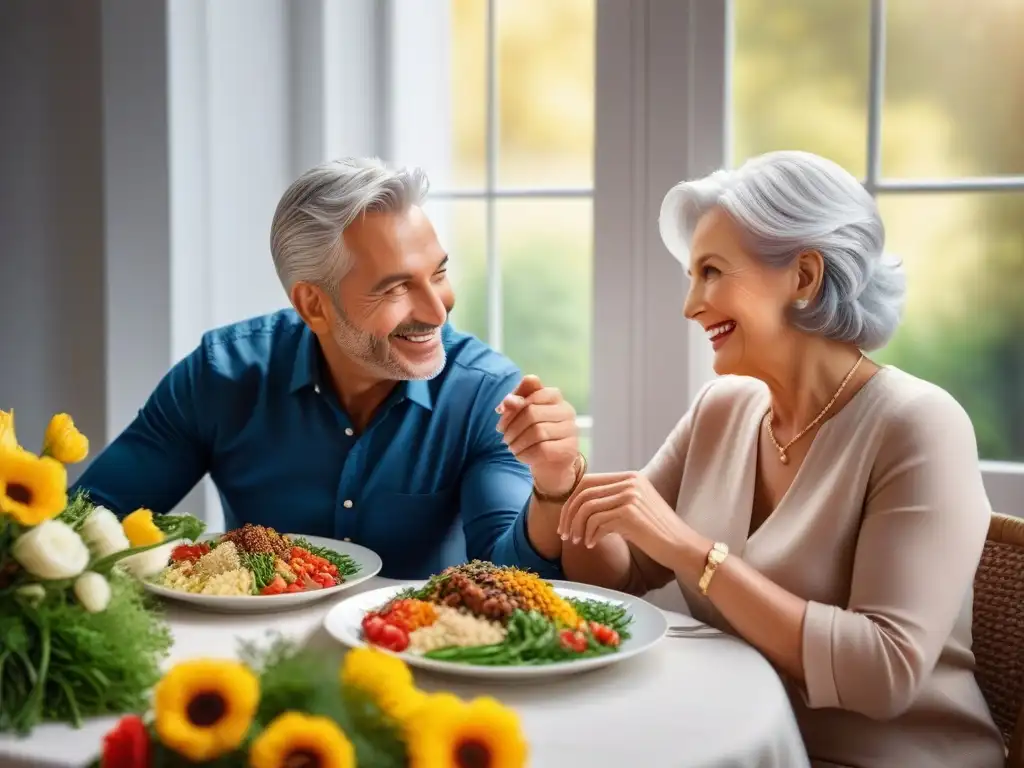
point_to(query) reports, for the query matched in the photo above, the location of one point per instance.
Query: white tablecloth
(687, 703)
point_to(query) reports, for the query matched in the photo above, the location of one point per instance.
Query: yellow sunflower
(203, 708)
(449, 733)
(63, 441)
(296, 740)
(32, 488)
(8, 439)
(140, 528)
(384, 678)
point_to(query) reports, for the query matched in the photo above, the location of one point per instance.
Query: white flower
(92, 591)
(151, 562)
(103, 533)
(51, 550)
(32, 592)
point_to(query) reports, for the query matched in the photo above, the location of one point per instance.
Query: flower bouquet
(285, 707)
(78, 636)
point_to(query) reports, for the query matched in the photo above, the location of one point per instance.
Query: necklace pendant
(784, 458)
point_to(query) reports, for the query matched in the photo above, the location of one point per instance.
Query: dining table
(693, 700)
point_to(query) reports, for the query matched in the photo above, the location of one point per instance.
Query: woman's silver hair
(788, 203)
(314, 212)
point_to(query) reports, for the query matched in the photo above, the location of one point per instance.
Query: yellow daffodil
(8, 439)
(63, 441)
(32, 488)
(203, 708)
(449, 733)
(297, 740)
(140, 528)
(385, 679)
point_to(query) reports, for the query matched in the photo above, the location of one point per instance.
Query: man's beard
(376, 353)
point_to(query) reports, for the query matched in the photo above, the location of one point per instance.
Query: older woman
(827, 509)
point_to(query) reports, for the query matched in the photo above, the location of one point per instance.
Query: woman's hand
(627, 504)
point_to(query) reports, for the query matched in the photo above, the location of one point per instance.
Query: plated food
(257, 569)
(484, 621)
(488, 615)
(254, 560)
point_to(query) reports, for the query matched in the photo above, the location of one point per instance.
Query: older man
(359, 414)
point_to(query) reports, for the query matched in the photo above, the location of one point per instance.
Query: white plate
(369, 566)
(344, 623)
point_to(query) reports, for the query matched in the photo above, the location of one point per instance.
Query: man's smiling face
(390, 305)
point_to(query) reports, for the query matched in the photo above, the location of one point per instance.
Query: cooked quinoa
(230, 583)
(217, 561)
(186, 577)
(455, 627)
(182, 577)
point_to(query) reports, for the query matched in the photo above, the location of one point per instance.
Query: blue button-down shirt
(428, 484)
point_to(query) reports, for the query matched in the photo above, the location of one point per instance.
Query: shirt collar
(306, 373)
(418, 390)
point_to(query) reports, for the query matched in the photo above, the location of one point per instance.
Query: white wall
(52, 330)
(154, 139)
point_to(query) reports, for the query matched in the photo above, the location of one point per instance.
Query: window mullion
(876, 95)
(494, 293)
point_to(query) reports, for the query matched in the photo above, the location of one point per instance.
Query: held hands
(539, 427)
(627, 504)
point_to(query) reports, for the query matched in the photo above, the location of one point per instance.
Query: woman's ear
(810, 270)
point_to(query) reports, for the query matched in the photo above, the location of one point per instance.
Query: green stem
(35, 707)
(3, 660)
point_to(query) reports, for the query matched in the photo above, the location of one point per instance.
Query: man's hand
(540, 429)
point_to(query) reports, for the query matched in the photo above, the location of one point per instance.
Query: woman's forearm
(764, 614)
(607, 565)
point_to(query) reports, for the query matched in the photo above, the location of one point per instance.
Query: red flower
(127, 746)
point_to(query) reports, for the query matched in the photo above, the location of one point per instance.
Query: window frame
(663, 103)
(1004, 480)
(412, 19)
(636, 379)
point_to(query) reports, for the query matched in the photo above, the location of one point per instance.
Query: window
(921, 99)
(495, 98)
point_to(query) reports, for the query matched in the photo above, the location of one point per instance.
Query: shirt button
(316, 388)
(348, 431)
(346, 539)
(347, 504)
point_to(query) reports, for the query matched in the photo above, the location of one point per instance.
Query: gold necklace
(770, 416)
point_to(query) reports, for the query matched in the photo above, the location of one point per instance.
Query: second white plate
(369, 566)
(344, 623)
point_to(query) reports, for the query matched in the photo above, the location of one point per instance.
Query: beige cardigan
(881, 531)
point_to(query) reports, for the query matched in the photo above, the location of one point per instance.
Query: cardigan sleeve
(926, 516)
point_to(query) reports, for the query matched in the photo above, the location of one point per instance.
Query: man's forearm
(542, 527)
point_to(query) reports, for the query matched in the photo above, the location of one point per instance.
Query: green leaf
(180, 526)
(13, 635)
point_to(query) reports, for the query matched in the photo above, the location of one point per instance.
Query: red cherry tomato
(372, 626)
(604, 635)
(574, 641)
(393, 638)
(275, 587)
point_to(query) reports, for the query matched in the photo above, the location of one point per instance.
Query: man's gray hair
(788, 203)
(306, 234)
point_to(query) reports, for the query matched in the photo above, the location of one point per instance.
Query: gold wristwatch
(716, 557)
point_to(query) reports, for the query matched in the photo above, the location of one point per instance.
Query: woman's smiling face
(741, 302)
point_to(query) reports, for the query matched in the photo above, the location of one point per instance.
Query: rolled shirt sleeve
(495, 493)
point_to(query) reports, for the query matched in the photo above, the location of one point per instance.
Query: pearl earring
(800, 304)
